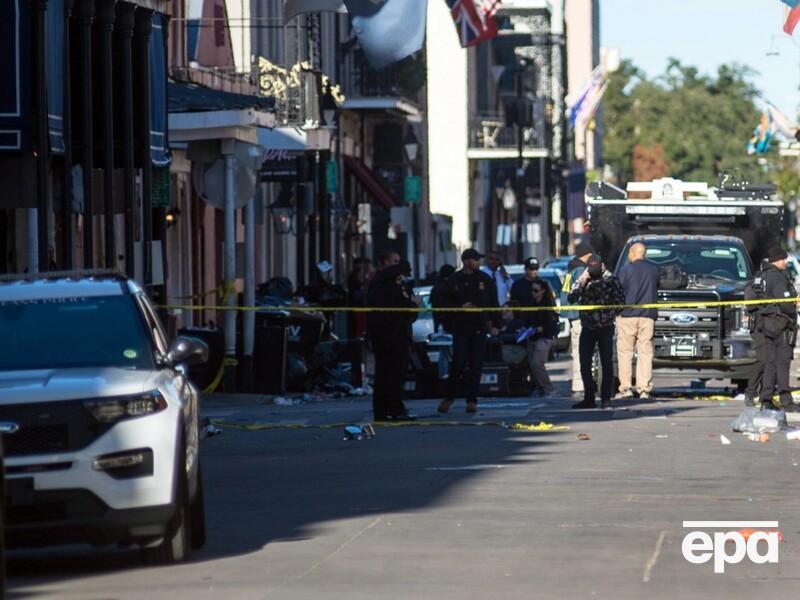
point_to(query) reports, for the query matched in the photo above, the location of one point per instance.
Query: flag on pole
(781, 123)
(388, 30)
(589, 98)
(793, 18)
(475, 20)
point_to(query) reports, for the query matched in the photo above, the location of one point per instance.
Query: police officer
(469, 288)
(390, 334)
(778, 323)
(575, 269)
(754, 290)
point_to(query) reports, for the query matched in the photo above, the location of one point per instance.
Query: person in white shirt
(495, 269)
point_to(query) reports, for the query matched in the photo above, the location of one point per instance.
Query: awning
(55, 74)
(191, 97)
(158, 92)
(14, 77)
(371, 183)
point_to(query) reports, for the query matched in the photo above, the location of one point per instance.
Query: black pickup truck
(705, 242)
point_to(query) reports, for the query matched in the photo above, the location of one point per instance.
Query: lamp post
(411, 146)
(282, 211)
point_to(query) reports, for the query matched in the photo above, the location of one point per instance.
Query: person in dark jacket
(469, 288)
(544, 328)
(441, 319)
(778, 323)
(575, 269)
(390, 334)
(636, 326)
(597, 287)
(521, 290)
(755, 291)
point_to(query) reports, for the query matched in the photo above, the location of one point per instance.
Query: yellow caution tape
(541, 427)
(580, 307)
(228, 362)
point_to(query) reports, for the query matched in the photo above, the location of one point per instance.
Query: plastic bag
(751, 420)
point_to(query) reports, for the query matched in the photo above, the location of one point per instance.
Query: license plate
(684, 350)
(489, 379)
(411, 386)
(19, 491)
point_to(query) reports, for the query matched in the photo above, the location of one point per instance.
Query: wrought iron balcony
(489, 131)
(400, 80)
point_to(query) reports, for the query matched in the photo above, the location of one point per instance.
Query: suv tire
(197, 514)
(175, 546)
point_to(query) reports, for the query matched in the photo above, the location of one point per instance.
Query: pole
(105, 27)
(125, 24)
(520, 169)
(66, 209)
(230, 264)
(37, 223)
(86, 17)
(249, 317)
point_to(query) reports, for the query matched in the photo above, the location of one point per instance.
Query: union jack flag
(474, 19)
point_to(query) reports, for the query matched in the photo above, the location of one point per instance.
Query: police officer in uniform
(390, 334)
(469, 288)
(778, 323)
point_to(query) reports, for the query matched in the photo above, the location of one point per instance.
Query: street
(449, 509)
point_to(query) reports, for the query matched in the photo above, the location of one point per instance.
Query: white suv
(99, 422)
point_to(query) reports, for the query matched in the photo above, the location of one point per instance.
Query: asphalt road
(453, 509)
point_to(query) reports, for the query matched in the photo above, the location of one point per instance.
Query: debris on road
(662, 436)
(757, 437)
(751, 420)
(542, 426)
(584, 437)
(210, 431)
(359, 432)
(793, 435)
(725, 441)
(284, 401)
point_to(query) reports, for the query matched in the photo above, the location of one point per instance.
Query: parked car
(554, 279)
(423, 326)
(100, 422)
(557, 263)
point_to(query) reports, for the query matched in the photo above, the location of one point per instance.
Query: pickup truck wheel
(175, 546)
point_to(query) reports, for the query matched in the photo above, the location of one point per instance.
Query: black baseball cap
(583, 249)
(532, 263)
(776, 253)
(471, 253)
(595, 265)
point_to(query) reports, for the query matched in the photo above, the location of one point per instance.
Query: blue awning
(14, 73)
(55, 74)
(158, 92)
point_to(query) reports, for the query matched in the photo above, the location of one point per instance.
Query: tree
(701, 124)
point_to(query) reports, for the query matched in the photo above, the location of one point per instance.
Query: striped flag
(793, 18)
(584, 108)
(475, 20)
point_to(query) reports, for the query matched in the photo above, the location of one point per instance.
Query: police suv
(99, 422)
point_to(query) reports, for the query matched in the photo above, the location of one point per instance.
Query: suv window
(105, 331)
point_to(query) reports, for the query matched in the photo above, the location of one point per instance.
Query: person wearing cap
(502, 280)
(597, 287)
(532, 290)
(575, 269)
(390, 335)
(778, 323)
(636, 326)
(469, 288)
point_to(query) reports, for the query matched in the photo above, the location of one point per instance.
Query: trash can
(269, 359)
(203, 375)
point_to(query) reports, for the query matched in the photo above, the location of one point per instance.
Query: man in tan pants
(635, 326)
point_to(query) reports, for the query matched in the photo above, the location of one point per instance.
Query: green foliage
(702, 123)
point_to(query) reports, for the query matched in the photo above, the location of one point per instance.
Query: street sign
(331, 177)
(413, 189)
(282, 165)
(160, 187)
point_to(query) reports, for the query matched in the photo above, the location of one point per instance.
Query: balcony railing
(400, 80)
(489, 131)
